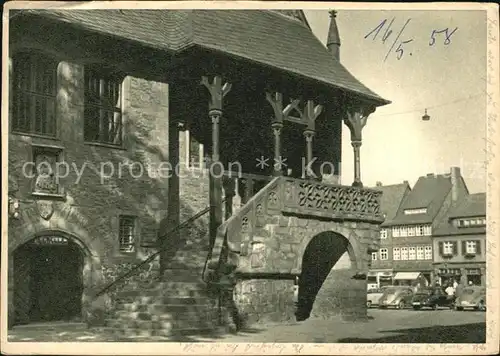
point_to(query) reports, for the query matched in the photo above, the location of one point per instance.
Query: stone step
(141, 304)
(166, 311)
(167, 324)
(159, 334)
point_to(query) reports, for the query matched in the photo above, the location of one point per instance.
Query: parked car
(373, 295)
(472, 297)
(396, 297)
(432, 298)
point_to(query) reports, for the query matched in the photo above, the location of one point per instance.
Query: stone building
(121, 161)
(460, 242)
(410, 231)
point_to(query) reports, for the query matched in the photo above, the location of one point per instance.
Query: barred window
(127, 233)
(34, 94)
(103, 109)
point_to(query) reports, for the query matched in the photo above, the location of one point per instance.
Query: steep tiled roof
(472, 205)
(392, 197)
(429, 192)
(265, 37)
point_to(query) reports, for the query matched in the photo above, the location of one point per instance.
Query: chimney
(379, 184)
(430, 175)
(455, 176)
(333, 41)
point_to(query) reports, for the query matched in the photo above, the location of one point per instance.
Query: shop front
(413, 279)
(378, 279)
(465, 273)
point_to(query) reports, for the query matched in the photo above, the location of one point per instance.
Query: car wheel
(368, 304)
(459, 308)
(401, 305)
(481, 306)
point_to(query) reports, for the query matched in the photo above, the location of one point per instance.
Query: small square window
(127, 234)
(374, 256)
(383, 254)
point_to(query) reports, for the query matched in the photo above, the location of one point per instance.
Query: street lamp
(426, 117)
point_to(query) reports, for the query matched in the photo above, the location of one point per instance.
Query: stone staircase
(178, 303)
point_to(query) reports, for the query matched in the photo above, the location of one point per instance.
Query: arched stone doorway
(48, 281)
(325, 260)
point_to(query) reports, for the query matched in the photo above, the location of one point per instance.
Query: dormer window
(416, 211)
(470, 222)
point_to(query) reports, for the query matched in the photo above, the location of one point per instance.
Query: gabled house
(412, 227)
(460, 242)
(381, 271)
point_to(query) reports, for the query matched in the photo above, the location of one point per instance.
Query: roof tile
(262, 36)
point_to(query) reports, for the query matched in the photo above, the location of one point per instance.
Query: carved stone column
(278, 169)
(217, 93)
(356, 120)
(309, 134)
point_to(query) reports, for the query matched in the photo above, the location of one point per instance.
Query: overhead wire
(434, 106)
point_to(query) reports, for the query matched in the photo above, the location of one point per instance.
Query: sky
(448, 79)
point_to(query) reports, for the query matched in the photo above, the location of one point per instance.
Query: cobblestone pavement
(384, 326)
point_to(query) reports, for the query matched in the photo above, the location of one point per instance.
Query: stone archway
(327, 263)
(50, 279)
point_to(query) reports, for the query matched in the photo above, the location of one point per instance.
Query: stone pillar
(356, 145)
(309, 134)
(278, 169)
(356, 120)
(217, 93)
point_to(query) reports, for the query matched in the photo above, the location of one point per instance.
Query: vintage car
(432, 298)
(396, 297)
(472, 297)
(373, 295)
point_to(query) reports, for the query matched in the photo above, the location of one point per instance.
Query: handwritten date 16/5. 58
(441, 36)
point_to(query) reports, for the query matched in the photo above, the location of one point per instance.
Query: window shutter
(478, 247)
(441, 248)
(455, 248)
(464, 247)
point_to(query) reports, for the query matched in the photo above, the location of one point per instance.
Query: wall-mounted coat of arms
(45, 209)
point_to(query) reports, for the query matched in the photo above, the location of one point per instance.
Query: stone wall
(265, 300)
(90, 206)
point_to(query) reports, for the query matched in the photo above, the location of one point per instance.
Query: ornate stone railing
(233, 235)
(239, 188)
(288, 195)
(330, 201)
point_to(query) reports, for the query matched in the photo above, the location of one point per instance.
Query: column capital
(280, 112)
(217, 92)
(356, 144)
(309, 134)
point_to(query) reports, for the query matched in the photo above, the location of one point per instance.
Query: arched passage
(48, 279)
(322, 253)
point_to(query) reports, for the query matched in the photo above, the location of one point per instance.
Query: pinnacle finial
(333, 13)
